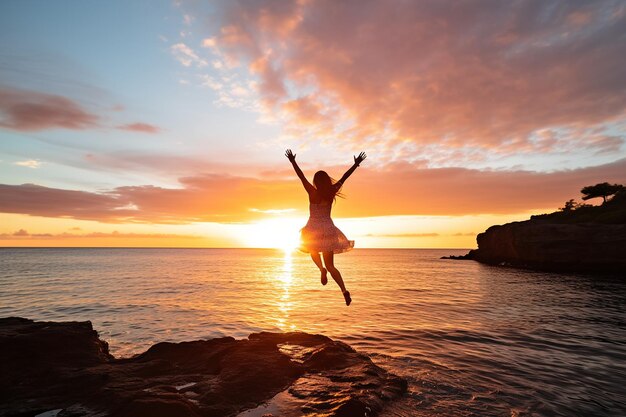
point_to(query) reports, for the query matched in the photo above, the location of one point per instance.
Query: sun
(274, 233)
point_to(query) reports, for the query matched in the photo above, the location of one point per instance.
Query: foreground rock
(64, 369)
(579, 247)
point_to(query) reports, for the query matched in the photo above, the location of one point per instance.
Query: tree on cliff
(600, 190)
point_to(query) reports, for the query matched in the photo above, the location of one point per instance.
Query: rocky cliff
(577, 247)
(64, 369)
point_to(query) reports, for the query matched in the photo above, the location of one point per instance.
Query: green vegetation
(611, 211)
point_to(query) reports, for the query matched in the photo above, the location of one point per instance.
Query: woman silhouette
(320, 235)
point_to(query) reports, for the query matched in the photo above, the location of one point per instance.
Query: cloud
(52, 202)
(23, 234)
(159, 163)
(404, 235)
(400, 189)
(29, 163)
(395, 189)
(490, 75)
(273, 211)
(140, 127)
(186, 56)
(23, 110)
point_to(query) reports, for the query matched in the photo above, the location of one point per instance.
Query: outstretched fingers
(360, 158)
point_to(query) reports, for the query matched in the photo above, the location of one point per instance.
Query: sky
(164, 123)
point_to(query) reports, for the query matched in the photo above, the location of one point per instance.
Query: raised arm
(292, 158)
(357, 162)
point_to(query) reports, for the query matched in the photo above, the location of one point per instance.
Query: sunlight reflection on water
(284, 303)
(470, 339)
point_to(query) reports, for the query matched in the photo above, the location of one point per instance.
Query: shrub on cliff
(613, 211)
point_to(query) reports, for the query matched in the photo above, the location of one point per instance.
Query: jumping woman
(320, 235)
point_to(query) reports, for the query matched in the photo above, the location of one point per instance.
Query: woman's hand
(290, 155)
(357, 159)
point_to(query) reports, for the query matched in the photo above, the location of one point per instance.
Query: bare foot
(324, 277)
(346, 295)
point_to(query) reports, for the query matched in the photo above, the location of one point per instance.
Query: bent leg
(329, 261)
(318, 261)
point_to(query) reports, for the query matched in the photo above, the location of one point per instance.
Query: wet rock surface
(64, 369)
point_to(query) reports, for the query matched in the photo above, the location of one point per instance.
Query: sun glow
(275, 233)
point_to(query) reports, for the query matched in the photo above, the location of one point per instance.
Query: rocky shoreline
(556, 247)
(64, 369)
(577, 238)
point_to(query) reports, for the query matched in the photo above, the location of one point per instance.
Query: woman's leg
(318, 261)
(329, 261)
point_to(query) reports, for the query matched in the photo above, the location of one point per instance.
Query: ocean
(471, 339)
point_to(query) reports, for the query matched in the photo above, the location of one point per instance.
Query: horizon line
(196, 247)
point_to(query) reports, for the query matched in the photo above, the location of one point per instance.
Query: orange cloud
(31, 111)
(402, 189)
(396, 189)
(491, 75)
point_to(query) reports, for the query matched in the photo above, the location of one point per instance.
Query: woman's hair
(326, 186)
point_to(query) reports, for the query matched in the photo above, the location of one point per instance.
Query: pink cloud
(160, 163)
(37, 200)
(482, 74)
(31, 111)
(23, 110)
(140, 127)
(396, 189)
(23, 234)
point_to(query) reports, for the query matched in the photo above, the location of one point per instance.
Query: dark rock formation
(577, 247)
(66, 370)
(458, 257)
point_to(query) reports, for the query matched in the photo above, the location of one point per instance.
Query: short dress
(320, 233)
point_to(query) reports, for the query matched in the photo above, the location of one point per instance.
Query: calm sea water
(472, 340)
